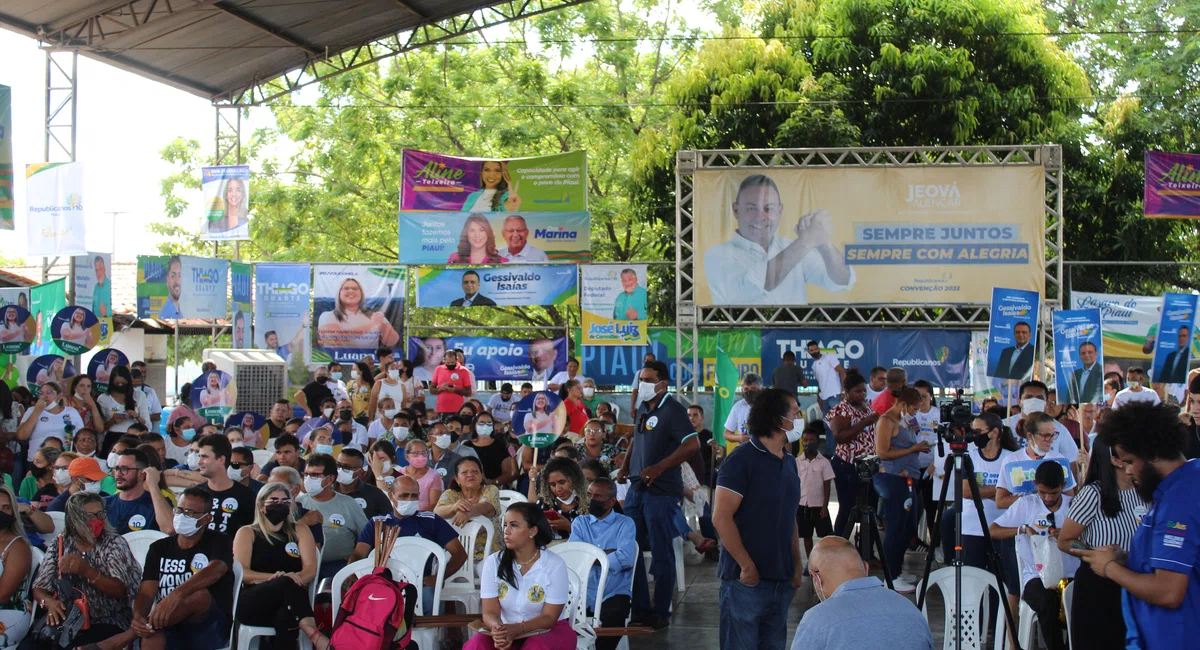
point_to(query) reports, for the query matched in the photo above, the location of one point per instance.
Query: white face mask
(235, 475)
(797, 429)
(93, 453)
(646, 391)
(193, 461)
(1033, 405)
(328, 414)
(387, 467)
(400, 432)
(406, 508)
(588, 392)
(185, 525)
(390, 413)
(92, 486)
(62, 477)
(569, 499)
(314, 484)
(484, 430)
(112, 459)
(442, 441)
(1035, 450)
(393, 374)
(345, 477)
(354, 374)
(1135, 384)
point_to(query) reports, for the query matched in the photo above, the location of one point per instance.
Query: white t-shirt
(872, 393)
(529, 253)
(500, 409)
(1126, 396)
(176, 453)
(742, 275)
(484, 202)
(108, 406)
(1030, 511)
(1063, 443)
(829, 383)
(546, 582)
(51, 425)
(927, 433)
(152, 403)
(1016, 475)
(394, 391)
(738, 415)
(562, 377)
(987, 473)
(338, 389)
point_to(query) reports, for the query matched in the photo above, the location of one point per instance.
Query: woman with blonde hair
(280, 559)
(76, 330)
(15, 560)
(477, 243)
(351, 324)
(236, 207)
(12, 329)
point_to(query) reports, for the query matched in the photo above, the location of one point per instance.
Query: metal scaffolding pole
(227, 143)
(58, 132)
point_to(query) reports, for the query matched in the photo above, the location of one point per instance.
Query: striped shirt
(1101, 530)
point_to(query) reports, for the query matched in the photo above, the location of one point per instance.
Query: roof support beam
(311, 50)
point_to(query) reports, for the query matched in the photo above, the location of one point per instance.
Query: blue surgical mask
(337, 376)
(325, 449)
(188, 434)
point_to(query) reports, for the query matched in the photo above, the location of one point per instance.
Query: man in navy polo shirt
(404, 495)
(663, 440)
(1161, 575)
(758, 492)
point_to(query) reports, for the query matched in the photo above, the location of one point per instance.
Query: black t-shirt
(231, 509)
(491, 457)
(372, 500)
(266, 469)
(171, 566)
(314, 394)
(273, 430)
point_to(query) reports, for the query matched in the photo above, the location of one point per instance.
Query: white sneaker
(902, 586)
(909, 578)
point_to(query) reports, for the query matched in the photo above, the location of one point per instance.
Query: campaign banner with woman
(1011, 347)
(494, 237)
(93, 289)
(281, 308)
(17, 329)
(214, 396)
(539, 418)
(247, 420)
(614, 304)
(226, 203)
(497, 286)
(45, 301)
(242, 291)
(1172, 185)
(1172, 349)
(435, 182)
(54, 208)
(102, 365)
(356, 310)
(75, 330)
(48, 367)
(492, 359)
(1079, 356)
(14, 296)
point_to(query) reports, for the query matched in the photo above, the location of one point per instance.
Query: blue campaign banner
(1011, 343)
(1171, 349)
(1021, 473)
(281, 308)
(493, 359)
(495, 237)
(1079, 356)
(616, 365)
(937, 356)
(498, 286)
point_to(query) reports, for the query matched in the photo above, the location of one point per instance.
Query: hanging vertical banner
(226, 203)
(7, 200)
(54, 209)
(14, 296)
(1011, 347)
(1171, 349)
(182, 286)
(281, 308)
(1079, 355)
(1172, 185)
(613, 300)
(46, 300)
(356, 310)
(93, 289)
(16, 329)
(242, 294)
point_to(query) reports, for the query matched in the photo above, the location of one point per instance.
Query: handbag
(1048, 559)
(75, 621)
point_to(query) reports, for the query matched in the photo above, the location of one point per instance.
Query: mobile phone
(1080, 546)
(551, 514)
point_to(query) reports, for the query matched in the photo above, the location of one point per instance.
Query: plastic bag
(1047, 558)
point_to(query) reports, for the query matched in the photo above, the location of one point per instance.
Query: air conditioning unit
(260, 376)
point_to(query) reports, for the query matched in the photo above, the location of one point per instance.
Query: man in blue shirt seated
(1161, 573)
(134, 507)
(616, 535)
(405, 495)
(857, 611)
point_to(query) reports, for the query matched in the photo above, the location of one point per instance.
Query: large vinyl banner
(1172, 185)
(498, 286)
(861, 235)
(281, 309)
(241, 291)
(1130, 326)
(494, 238)
(938, 356)
(7, 200)
(182, 286)
(356, 310)
(226, 203)
(492, 359)
(54, 209)
(614, 304)
(46, 300)
(93, 289)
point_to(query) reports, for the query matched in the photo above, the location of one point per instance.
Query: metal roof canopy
(248, 52)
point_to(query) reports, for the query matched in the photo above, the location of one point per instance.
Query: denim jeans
(755, 618)
(900, 512)
(846, 481)
(654, 516)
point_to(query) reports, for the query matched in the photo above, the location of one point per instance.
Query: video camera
(867, 466)
(955, 421)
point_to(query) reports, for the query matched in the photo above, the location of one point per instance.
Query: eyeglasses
(274, 501)
(595, 431)
(99, 514)
(194, 514)
(1046, 436)
(348, 468)
(124, 470)
(240, 465)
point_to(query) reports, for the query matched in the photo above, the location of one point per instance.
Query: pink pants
(560, 637)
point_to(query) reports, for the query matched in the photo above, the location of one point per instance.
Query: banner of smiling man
(182, 286)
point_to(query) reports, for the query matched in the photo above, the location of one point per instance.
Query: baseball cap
(87, 468)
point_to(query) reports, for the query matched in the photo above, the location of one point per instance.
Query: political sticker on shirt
(229, 505)
(613, 300)
(337, 520)
(137, 522)
(198, 563)
(214, 396)
(292, 549)
(102, 365)
(356, 311)
(75, 329)
(1011, 346)
(539, 419)
(362, 503)
(17, 329)
(536, 594)
(48, 367)
(501, 590)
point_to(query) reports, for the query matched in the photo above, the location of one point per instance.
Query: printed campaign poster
(226, 203)
(937, 356)
(182, 286)
(539, 418)
(436, 183)
(1172, 349)
(7, 200)
(1172, 185)
(843, 235)
(93, 289)
(102, 365)
(214, 396)
(49, 367)
(75, 330)
(14, 296)
(46, 300)
(1012, 346)
(281, 308)
(491, 359)
(242, 292)
(495, 237)
(356, 310)
(247, 420)
(17, 329)
(497, 286)
(55, 209)
(1079, 356)
(614, 304)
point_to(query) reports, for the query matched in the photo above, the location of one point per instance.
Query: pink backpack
(376, 614)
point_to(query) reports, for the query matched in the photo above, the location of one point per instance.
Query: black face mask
(982, 441)
(597, 508)
(37, 473)
(451, 364)
(6, 520)
(277, 513)
(810, 449)
(346, 415)
(116, 388)
(322, 379)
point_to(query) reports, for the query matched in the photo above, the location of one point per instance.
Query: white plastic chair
(140, 541)
(237, 590)
(580, 558)
(813, 412)
(413, 553)
(60, 524)
(246, 634)
(463, 585)
(585, 636)
(1068, 597)
(976, 585)
(1027, 627)
(680, 580)
(263, 456)
(270, 445)
(507, 497)
(624, 643)
(35, 561)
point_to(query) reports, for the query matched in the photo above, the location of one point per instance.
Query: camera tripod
(863, 514)
(959, 468)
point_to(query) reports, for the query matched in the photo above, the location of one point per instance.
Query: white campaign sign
(55, 209)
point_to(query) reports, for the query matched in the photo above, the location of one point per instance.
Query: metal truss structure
(690, 318)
